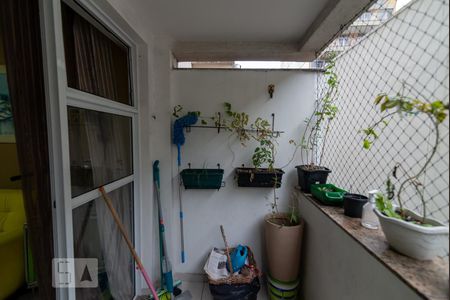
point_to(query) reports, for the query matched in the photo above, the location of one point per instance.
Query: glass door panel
(101, 149)
(97, 236)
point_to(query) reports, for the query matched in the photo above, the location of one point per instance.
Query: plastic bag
(236, 292)
(215, 266)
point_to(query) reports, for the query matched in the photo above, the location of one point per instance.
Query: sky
(401, 3)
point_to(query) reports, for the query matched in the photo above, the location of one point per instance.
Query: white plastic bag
(216, 265)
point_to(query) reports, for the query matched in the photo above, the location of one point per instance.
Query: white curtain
(108, 151)
(106, 159)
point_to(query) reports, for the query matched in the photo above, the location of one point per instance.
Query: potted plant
(411, 234)
(283, 238)
(263, 173)
(313, 141)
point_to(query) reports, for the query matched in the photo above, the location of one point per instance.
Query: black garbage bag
(236, 291)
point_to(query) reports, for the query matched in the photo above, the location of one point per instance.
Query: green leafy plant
(318, 125)
(259, 131)
(437, 113)
(265, 153)
(237, 123)
(385, 206)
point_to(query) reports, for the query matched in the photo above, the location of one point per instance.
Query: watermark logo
(75, 272)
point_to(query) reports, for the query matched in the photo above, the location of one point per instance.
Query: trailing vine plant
(437, 113)
(259, 131)
(318, 125)
(264, 154)
(239, 124)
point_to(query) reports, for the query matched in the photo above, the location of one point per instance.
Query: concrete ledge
(363, 265)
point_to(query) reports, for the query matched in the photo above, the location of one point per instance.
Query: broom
(119, 224)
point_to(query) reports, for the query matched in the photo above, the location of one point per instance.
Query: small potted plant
(263, 173)
(313, 141)
(411, 234)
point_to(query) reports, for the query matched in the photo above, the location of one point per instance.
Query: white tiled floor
(200, 291)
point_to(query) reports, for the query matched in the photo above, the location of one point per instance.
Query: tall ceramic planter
(283, 247)
(419, 242)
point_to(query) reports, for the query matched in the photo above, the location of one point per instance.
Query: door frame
(60, 96)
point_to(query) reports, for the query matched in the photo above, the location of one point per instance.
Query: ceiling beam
(235, 51)
(332, 20)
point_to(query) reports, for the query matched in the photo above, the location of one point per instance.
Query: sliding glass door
(98, 115)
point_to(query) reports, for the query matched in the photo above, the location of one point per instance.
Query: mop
(166, 267)
(122, 230)
(179, 140)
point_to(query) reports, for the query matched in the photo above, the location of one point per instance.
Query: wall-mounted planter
(207, 179)
(416, 241)
(263, 178)
(328, 194)
(308, 175)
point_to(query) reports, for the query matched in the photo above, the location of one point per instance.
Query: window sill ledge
(429, 279)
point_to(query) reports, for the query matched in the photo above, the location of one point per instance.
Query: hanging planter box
(202, 179)
(264, 178)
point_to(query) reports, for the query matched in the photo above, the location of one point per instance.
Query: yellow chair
(12, 219)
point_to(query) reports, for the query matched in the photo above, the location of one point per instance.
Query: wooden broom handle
(230, 264)
(128, 241)
(121, 227)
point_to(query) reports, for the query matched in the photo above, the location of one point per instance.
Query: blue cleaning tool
(238, 257)
(179, 140)
(178, 131)
(166, 266)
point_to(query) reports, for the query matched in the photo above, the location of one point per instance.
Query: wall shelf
(275, 133)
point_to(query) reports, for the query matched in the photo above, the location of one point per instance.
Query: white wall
(240, 210)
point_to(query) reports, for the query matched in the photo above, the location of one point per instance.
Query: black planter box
(263, 178)
(202, 179)
(308, 176)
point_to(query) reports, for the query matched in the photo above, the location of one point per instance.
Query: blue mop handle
(156, 173)
(179, 154)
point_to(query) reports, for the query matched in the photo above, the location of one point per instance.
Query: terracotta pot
(283, 247)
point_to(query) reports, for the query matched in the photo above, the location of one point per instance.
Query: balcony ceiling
(248, 29)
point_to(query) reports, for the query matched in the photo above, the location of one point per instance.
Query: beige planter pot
(283, 247)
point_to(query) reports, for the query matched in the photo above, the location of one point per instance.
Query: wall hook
(271, 90)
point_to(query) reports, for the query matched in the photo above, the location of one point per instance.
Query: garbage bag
(236, 291)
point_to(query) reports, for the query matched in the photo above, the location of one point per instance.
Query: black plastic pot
(263, 178)
(353, 205)
(308, 175)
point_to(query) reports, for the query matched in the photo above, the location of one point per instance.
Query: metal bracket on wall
(275, 133)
